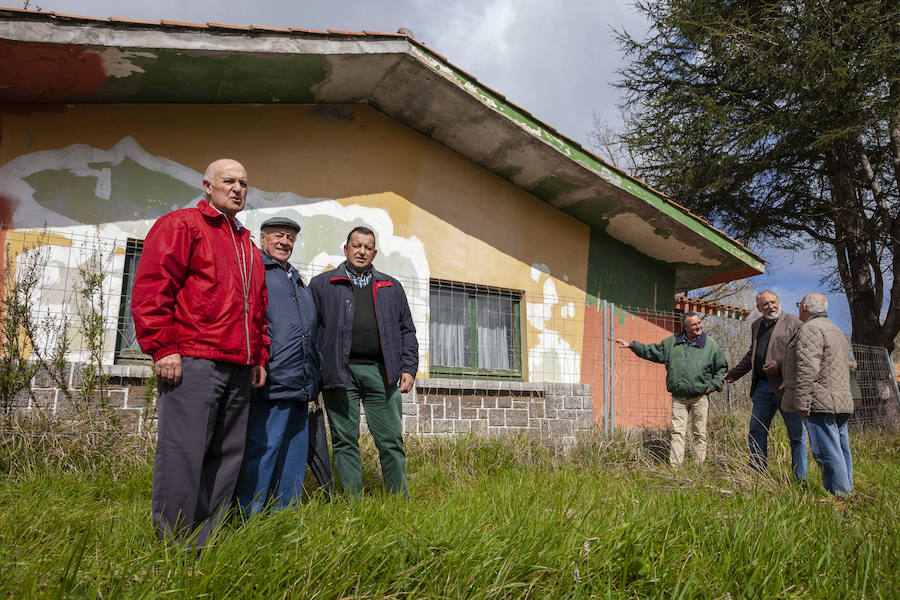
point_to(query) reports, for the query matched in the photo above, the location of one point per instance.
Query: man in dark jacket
(278, 436)
(694, 368)
(368, 340)
(769, 336)
(199, 303)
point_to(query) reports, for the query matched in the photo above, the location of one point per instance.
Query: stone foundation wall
(127, 395)
(547, 411)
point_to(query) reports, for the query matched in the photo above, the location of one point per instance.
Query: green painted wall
(620, 274)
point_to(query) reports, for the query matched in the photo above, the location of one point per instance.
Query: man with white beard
(769, 336)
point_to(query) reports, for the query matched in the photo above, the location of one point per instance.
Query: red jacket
(188, 294)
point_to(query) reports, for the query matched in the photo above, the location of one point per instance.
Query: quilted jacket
(817, 370)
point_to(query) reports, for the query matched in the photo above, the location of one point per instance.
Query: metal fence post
(606, 359)
(612, 368)
(887, 356)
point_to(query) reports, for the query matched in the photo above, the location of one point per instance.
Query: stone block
(463, 426)
(584, 419)
(549, 413)
(22, 399)
(442, 426)
(560, 427)
(573, 402)
(516, 417)
(468, 413)
(560, 389)
(437, 411)
(587, 402)
(43, 400)
(565, 414)
(138, 396)
(451, 408)
(504, 400)
(424, 418)
(409, 425)
(553, 402)
(118, 398)
(489, 402)
(410, 408)
(470, 400)
(583, 389)
(478, 427)
(536, 409)
(496, 417)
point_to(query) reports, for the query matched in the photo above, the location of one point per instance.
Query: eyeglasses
(798, 304)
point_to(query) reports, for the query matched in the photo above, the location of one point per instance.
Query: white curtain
(449, 327)
(494, 315)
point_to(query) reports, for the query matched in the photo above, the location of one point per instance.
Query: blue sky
(555, 58)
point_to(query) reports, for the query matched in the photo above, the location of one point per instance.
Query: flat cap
(280, 222)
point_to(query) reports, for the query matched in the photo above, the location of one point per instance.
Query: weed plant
(488, 518)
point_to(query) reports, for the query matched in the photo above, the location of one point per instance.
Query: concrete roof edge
(396, 43)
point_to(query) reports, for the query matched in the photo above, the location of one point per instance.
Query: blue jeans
(275, 463)
(765, 405)
(830, 445)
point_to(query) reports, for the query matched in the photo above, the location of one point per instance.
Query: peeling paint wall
(111, 170)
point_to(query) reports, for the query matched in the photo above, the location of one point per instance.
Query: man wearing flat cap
(278, 434)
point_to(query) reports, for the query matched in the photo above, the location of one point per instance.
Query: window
(127, 348)
(475, 331)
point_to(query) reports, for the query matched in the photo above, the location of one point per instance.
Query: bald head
(225, 185)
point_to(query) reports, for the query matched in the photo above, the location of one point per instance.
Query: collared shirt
(359, 279)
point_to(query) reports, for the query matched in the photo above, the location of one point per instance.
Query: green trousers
(383, 407)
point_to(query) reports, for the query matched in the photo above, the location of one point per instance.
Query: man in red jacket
(199, 303)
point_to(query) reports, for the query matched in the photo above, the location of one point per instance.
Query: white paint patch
(402, 257)
(552, 358)
(117, 64)
(104, 184)
(631, 229)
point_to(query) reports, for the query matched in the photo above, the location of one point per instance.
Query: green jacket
(691, 368)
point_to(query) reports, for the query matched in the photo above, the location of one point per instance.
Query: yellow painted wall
(475, 226)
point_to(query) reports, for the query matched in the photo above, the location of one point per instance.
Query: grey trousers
(201, 436)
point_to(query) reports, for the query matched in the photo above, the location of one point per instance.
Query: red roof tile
(135, 21)
(68, 16)
(171, 23)
(226, 26)
(267, 28)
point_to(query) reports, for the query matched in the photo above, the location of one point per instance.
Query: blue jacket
(333, 294)
(294, 363)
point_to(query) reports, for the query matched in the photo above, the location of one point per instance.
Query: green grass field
(500, 518)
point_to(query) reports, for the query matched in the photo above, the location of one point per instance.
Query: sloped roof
(58, 58)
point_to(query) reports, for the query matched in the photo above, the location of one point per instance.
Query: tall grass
(488, 518)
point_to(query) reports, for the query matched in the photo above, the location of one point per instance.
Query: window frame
(128, 356)
(473, 371)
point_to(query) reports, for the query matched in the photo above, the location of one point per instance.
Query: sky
(556, 59)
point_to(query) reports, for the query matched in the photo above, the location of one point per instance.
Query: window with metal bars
(127, 348)
(475, 331)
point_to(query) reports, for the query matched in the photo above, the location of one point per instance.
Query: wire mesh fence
(476, 335)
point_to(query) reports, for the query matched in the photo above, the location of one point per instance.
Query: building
(508, 235)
